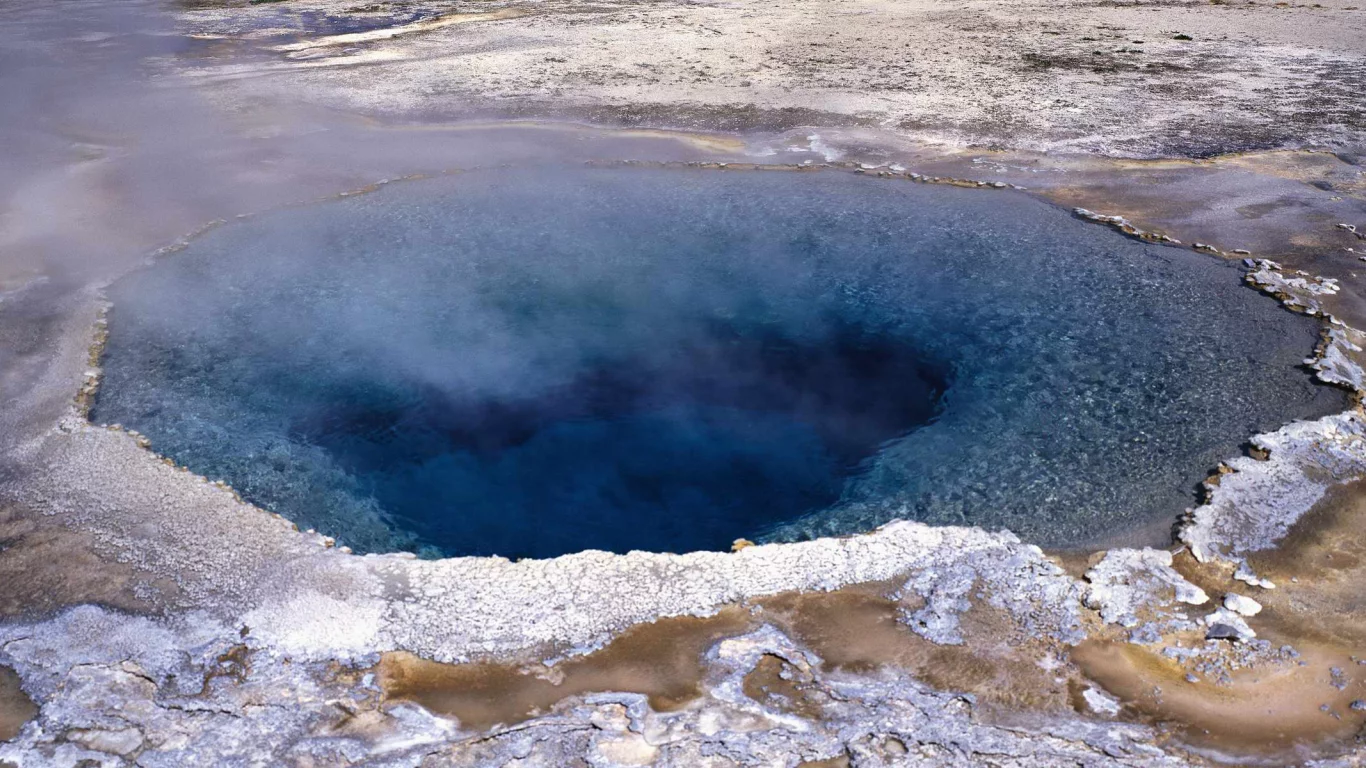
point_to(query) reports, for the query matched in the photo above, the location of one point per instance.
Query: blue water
(535, 362)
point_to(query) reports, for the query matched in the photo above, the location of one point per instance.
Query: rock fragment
(1245, 574)
(1226, 625)
(123, 741)
(1243, 606)
(1101, 702)
(1128, 582)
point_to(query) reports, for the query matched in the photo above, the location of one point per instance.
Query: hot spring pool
(535, 362)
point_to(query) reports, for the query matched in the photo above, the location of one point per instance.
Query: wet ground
(16, 708)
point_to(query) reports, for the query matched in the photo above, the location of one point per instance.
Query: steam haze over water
(530, 363)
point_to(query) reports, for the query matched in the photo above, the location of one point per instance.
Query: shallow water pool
(535, 362)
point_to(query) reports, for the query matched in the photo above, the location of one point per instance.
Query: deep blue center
(536, 362)
(728, 430)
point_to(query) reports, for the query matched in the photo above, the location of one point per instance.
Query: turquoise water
(535, 362)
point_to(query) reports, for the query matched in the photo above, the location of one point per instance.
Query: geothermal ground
(151, 617)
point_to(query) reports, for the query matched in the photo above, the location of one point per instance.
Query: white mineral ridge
(475, 606)
(1335, 364)
(1128, 580)
(1243, 606)
(1252, 508)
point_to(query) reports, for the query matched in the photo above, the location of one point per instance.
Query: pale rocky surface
(1242, 605)
(173, 694)
(1128, 581)
(1139, 78)
(1255, 505)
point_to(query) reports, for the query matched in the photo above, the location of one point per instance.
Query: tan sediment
(46, 568)
(856, 629)
(16, 708)
(662, 660)
(1269, 713)
(1319, 568)
(853, 630)
(778, 684)
(1299, 166)
(1280, 204)
(85, 398)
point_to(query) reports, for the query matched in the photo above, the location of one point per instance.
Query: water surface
(529, 363)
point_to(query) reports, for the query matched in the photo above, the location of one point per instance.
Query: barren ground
(1143, 78)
